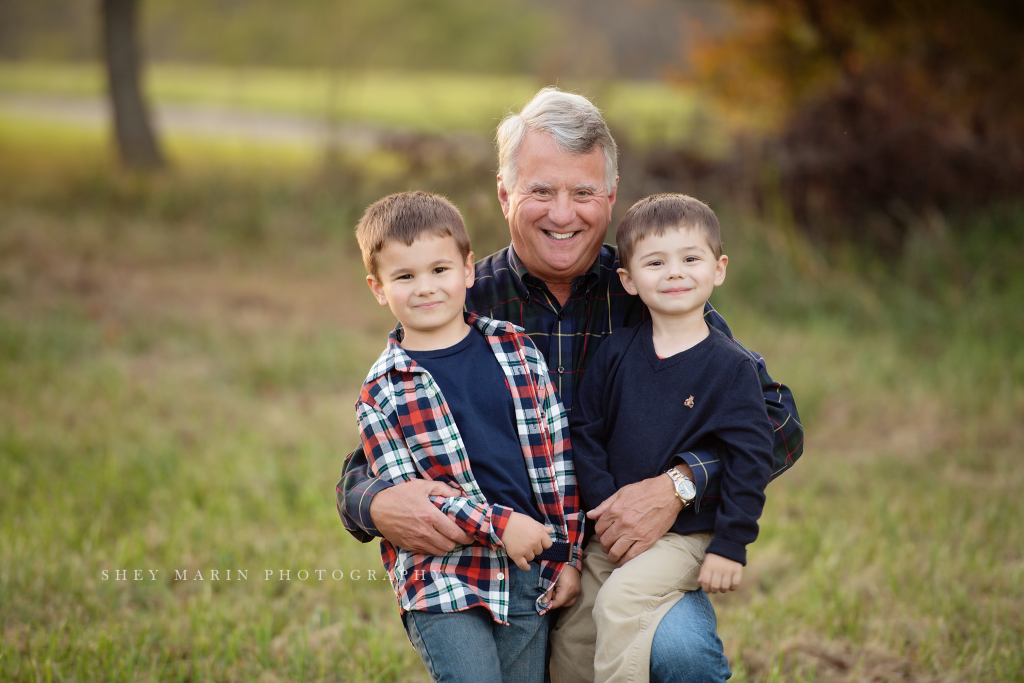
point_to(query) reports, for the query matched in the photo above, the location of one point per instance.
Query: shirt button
(501, 576)
(560, 369)
(559, 316)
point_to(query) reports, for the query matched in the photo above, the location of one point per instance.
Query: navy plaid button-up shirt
(569, 335)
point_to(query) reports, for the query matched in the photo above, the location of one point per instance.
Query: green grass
(646, 113)
(179, 355)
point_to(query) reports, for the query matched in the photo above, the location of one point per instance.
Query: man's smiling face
(559, 209)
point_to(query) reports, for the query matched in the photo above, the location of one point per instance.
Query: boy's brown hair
(403, 217)
(660, 212)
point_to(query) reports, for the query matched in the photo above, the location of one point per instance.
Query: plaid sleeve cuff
(707, 470)
(499, 520)
(357, 504)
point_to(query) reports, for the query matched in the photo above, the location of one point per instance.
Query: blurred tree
(890, 107)
(136, 142)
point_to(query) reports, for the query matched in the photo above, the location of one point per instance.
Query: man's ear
(470, 270)
(627, 281)
(377, 289)
(723, 261)
(503, 198)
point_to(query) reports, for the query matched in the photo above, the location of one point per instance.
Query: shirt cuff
(737, 552)
(361, 498)
(705, 467)
(499, 520)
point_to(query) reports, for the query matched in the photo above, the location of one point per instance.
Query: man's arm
(390, 459)
(370, 507)
(354, 494)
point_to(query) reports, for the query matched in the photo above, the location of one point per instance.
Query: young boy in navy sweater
(466, 400)
(670, 385)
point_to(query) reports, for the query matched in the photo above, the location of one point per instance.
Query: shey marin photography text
(377, 574)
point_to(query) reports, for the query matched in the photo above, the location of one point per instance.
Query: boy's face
(424, 283)
(674, 273)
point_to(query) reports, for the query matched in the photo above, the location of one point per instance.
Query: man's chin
(568, 255)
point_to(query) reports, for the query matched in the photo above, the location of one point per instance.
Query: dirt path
(221, 123)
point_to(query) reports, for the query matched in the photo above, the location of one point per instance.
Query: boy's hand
(567, 589)
(524, 538)
(720, 574)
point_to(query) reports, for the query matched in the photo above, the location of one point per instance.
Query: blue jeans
(686, 645)
(470, 647)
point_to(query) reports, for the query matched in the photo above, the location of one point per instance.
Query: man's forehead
(541, 160)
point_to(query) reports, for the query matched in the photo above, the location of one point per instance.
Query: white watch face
(687, 490)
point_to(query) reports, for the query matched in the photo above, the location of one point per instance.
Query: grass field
(178, 360)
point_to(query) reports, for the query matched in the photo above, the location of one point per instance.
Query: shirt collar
(522, 277)
(394, 356)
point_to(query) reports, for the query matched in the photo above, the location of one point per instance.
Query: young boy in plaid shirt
(653, 392)
(466, 400)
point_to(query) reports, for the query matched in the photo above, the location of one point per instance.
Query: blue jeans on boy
(686, 645)
(470, 647)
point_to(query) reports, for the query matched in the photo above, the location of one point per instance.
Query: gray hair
(572, 121)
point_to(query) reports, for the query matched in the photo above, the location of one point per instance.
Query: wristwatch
(685, 489)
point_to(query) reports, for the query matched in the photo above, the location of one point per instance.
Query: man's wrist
(368, 495)
(683, 487)
(668, 488)
(684, 469)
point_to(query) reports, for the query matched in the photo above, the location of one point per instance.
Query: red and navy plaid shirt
(408, 432)
(569, 335)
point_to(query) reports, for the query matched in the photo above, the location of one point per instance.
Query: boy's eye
(440, 269)
(691, 259)
(405, 276)
(655, 263)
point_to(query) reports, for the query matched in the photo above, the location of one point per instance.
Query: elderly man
(557, 185)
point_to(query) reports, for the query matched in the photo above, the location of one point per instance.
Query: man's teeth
(561, 236)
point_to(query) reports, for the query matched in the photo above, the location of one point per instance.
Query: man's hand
(635, 516)
(720, 574)
(524, 538)
(567, 589)
(405, 516)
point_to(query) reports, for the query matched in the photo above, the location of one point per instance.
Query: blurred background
(184, 323)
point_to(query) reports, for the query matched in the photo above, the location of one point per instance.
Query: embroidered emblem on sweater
(688, 402)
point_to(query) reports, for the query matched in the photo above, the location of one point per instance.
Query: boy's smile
(425, 285)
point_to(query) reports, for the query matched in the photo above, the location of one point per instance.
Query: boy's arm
(787, 436)
(390, 459)
(745, 434)
(557, 424)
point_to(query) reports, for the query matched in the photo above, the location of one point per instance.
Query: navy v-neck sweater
(635, 412)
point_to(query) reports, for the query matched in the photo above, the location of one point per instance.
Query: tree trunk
(136, 142)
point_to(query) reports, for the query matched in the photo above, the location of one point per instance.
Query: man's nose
(562, 211)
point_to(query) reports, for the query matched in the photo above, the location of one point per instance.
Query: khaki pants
(607, 635)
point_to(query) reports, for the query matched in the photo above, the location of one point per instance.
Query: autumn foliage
(879, 109)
